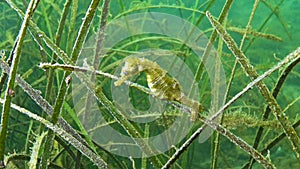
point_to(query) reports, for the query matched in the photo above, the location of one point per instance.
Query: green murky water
(277, 19)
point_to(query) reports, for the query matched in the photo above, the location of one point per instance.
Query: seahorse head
(132, 66)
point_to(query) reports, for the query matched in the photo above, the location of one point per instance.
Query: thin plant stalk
(266, 114)
(104, 15)
(98, 161)
(247, 148)
(71, 34)
(148, 7)
(250, 71)
(241, 143)
(50, 135)
(222, 17)
(33, 163)
(291, 58)
(215, 141)
(248, 27)
(270, 145)
(65, 83)
(265, 23)
(212, 38)
(36, 96)
(119, 117)
(50, 73)
(9, 92)
(99, 46)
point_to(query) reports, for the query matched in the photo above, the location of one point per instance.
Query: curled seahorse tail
(195, 106)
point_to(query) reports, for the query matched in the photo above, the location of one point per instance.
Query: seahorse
(159, 82)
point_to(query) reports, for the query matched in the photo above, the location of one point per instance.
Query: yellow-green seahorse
(160, 83)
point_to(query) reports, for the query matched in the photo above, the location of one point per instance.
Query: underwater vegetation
(149, 84)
